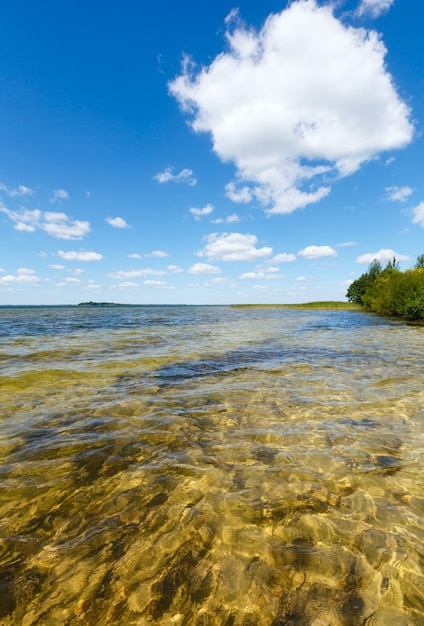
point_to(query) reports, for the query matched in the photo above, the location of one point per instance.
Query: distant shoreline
(100, 304)
(324, 306)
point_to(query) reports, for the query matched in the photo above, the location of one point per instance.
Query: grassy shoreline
(323, 306)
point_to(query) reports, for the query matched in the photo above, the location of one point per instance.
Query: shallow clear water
(210, 465)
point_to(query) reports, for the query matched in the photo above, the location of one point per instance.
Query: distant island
(99, 304)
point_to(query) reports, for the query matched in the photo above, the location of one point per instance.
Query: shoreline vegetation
(324, 306)
(390, 292)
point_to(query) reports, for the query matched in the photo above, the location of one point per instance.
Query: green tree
(392, 265)
(357, 289)
(390, 291)
(419, 265)
(374, 269)
(398, 294)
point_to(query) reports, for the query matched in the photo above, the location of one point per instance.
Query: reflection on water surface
(209, 465)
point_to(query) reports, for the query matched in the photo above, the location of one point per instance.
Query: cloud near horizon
(271, 273)
(155, 283)
(79, 256)
(384, 256)
(288, 126)
(22, 276)
(204, 268)
(126, 274)
(317, 252)
(233, 247)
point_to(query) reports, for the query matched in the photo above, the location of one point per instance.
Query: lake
(210, 466)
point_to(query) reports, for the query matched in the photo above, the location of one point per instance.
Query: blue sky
(207, 153)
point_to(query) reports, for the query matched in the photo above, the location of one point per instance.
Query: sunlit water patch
(209, 465)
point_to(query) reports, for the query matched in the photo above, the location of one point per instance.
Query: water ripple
(210, 465)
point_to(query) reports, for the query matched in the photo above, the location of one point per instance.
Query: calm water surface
(210, 466)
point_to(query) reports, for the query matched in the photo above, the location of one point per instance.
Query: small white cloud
(374, 8)
(22, 276)
(155, 283)
(77, 271)
(73, 281)
(24, 271)
(230, 219)
(122, 275)
(385, 255)
(223, 281)
(233, 247)
(134, 256)
(174, 269)
(23, 219)
(59, 194)
(253, 275)
(346, 244)
(198, 213)
(160, 254)
(204, 268)
(284, 257)
(91, 285)
(22, 190)
(185, 176)
(117, 222)
(418, 214)
(57, 267)
(127, 274)
(79, 256)
(398, 194)
(269, 273)
(317, 252)
(126, 285)
(58, 225)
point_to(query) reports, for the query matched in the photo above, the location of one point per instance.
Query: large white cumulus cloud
(304, 99)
